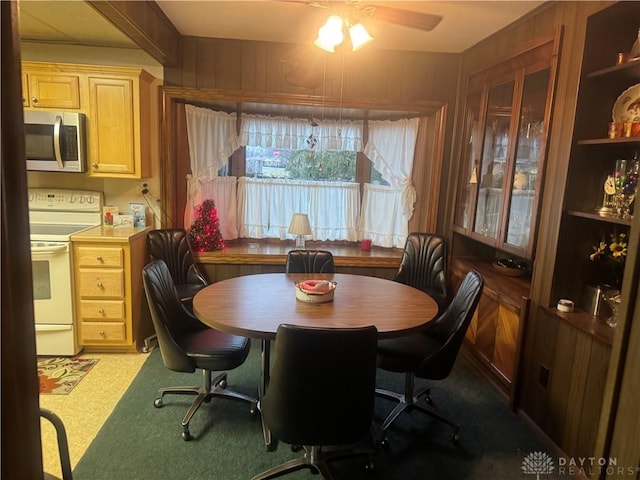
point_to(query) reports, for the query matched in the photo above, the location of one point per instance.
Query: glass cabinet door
(493, 163)
(468, 175)
(529, 151)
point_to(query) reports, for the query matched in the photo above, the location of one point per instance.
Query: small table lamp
(300, 227)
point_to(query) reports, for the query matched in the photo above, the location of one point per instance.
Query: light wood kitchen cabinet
(122, 127)
(121, 105)
(50, 90)
(110, 305)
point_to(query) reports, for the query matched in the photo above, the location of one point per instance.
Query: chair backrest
(450, 328)
(171, 320)
(424, 264)
(172, 246)
(310, 261)
(321, 390)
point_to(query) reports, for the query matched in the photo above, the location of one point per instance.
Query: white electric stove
(55, 215)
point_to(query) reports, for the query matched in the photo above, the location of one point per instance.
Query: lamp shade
(359, 36)
(300, 224)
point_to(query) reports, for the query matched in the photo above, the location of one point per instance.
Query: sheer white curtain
(222, 190)
(212, 138)
(391, 148)
(265, 208)
(381, 220)
(300, 133)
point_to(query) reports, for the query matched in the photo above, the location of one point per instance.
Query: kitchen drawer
(101, 282)
(102, 331)
(99, 257)
(102, 309)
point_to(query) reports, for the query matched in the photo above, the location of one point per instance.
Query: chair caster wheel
(254, 409)
(384, 443)
(455, 438)
(158, 403)
(370, 466)
(429, 400)
(222, 384)
(186, 436)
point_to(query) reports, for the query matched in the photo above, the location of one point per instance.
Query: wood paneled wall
(370, 79)
(368, 73)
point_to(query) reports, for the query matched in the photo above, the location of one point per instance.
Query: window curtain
(381, 220)
(265, 208)
(222, 190)
(300, 134)
(212, 138)
(391, 147)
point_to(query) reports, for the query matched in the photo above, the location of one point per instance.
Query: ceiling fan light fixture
(330, 34)
(359, 36)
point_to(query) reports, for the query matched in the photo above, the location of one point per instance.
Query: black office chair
(430, 353)
(300, 405)
(310, 261)
(172, 246)
(424, 265)
(186, 344)
(63, 445)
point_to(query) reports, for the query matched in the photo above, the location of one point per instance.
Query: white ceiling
(464, 23)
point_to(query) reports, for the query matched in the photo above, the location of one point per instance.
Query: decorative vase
(613, 299)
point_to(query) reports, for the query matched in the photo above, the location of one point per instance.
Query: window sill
(256, 252)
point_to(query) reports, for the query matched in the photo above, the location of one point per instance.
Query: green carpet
(139, 441)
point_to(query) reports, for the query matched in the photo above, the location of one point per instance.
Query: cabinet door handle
(103, 334)
(101, 311)
(100, 285)
(34, 99)
(94, 165)
(99, 258)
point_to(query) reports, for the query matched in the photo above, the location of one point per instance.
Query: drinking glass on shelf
(626, 181)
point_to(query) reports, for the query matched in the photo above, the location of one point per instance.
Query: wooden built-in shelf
(600, 218)
(609, 141)
(267, 253)
(590, 324)
(510, 289)
(629, 69)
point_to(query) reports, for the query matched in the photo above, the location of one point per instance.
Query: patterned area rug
(59, 375)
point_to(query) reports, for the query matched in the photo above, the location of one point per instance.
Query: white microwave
(55, 141)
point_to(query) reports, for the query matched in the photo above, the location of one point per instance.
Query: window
(308, 164)
(293, 165)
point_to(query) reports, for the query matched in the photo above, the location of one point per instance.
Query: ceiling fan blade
(421, 21)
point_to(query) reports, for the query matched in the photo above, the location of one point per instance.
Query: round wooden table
(255, 305)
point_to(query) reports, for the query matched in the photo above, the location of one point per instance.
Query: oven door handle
(52, 327)
(49, 249)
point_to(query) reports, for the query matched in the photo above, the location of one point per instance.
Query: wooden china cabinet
(506, 122)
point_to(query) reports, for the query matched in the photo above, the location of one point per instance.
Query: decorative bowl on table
(315, 291)
(510, 267)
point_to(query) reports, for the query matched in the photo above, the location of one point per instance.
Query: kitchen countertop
(105, 233)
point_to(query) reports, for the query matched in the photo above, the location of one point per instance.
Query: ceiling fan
(405, 18)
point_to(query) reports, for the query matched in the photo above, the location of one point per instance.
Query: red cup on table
(365, 244)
